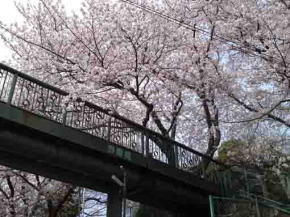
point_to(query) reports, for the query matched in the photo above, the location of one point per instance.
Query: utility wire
(247, 50)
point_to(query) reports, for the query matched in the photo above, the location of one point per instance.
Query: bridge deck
(86, 145)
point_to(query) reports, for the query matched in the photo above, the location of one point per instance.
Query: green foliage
(70, 212)
(141, 212)
(274, 187)
(71, 206)
(147, 211)
(229, 150)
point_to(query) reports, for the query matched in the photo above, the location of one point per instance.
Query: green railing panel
(245, 207)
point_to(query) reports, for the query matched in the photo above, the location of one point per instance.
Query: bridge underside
(34, 144)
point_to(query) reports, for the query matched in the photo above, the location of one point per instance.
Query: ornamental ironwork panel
(187, 160)
(125, 135)
(37, 99)
(155, 149)
(5, 84)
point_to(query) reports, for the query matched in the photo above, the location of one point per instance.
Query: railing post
(170, 148)
(211, 205)
(64, 117)
(221, 183)
(247, 182)
(12, 89)
(230, 179)
(109, 128)
(142, 144)
(226, 183)
(175, 149)
(257, 208)
(147, 145)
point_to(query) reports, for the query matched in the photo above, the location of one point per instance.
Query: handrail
(107, 111)
(267, 200)
(21, 74)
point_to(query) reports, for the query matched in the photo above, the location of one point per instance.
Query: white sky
(9, 14)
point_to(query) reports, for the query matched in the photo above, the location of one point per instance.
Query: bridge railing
(25, 92)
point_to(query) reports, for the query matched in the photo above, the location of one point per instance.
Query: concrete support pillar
(114, 205)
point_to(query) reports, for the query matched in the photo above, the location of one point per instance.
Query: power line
(247, 50)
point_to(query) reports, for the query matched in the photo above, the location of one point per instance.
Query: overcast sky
(9, 14)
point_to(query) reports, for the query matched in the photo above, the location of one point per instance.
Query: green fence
(245, 207)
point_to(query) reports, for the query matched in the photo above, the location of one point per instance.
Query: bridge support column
(195, 212)
(114, 205)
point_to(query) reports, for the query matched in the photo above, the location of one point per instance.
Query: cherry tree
(23, 194)
(99, 54)
(196, 71)
(110, 55)
(253, 37)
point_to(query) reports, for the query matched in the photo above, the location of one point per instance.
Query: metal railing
(271, 203)
(27, 93)
(237, 207)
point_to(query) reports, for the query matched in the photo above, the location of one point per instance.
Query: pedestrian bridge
(86, 144)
